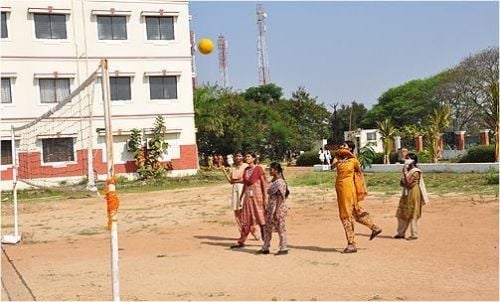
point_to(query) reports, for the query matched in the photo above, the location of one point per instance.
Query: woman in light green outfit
(413, 198)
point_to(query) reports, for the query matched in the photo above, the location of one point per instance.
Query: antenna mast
(262, 59)
(223, 64)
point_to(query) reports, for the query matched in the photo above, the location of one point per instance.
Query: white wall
(441, 167)
(360, 137)
(80, 54)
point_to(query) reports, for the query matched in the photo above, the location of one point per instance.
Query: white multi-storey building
(48, 48)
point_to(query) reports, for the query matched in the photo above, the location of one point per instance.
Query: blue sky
(344, 51)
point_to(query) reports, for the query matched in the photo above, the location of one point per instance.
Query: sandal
(375, 233)
(350, 249)
(281, 252)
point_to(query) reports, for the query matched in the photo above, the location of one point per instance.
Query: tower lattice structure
(223, 63)
(262, 58)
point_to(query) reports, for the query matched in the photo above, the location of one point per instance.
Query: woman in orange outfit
(350, 189)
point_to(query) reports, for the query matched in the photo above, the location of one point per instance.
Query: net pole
(90, 147)
(110, 173)
(14, 183)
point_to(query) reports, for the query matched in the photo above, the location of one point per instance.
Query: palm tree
(438, 121)
(387, 131)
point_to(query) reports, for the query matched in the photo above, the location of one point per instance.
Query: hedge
(309, 158)
(479, 154)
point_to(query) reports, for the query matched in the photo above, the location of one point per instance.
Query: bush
(379, 158)
(309, 158)
(479, 154)
(492, 177)
(424, 157)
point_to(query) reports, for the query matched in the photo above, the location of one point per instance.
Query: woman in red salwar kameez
(254, 199)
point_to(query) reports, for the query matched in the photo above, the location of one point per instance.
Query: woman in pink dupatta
(255, 199)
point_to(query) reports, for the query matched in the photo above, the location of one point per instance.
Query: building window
(112, 27)
(50, 26)
(53, 90)
(371, 136)
(160, 28)
(6, 150)
(57, 149)
(6, 91)
(163, 88)
(120, 88)
(5, 32)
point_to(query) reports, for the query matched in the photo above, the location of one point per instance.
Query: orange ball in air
(205, 46)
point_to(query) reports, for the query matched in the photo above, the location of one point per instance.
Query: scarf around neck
(254, 177)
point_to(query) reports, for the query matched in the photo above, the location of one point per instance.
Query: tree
(482, 70)
(406, 104)
(207, 109)
(345, 118)
(387, 131)
(456, 91)
(310, 118)
(438, 121)
(267, 94)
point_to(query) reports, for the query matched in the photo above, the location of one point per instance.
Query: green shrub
(492, 177)
(393, 157)
(309, 158)
(479, 154)
(379, 158)
(424, 157)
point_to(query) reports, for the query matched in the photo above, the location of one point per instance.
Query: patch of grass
(314, 262)
(388, 183)
(202, 178)
(375, 297)
(89, 232)
(492, 177)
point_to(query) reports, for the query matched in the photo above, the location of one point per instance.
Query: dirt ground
(174, 245)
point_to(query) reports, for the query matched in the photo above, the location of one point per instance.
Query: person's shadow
(215, 238)
(257, 245)
(314, 248)
(379, 236)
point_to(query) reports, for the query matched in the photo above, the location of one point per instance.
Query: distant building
(363, 137)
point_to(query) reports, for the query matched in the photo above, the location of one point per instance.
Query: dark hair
(276, 166)
(351, 145)
(252, 154)
(413, 157)
(238, 152)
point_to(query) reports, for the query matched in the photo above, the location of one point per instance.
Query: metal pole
(14, 182)
(110, 173)
(90, 155)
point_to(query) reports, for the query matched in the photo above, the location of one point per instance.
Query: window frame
(98, 16)
(174, 28)
(371, 133)
(55, 89)
(52, 163)
(176, 77)
(66, 19)
(10, 150)
(117, 101)
(10, 88)
(7, 17)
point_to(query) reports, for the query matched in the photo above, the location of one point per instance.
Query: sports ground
(174, 245)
